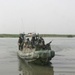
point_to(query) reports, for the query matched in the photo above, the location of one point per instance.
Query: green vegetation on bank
(9, 35)
(43, 35)
(57, 35)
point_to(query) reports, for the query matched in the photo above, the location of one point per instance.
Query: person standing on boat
(21, 41)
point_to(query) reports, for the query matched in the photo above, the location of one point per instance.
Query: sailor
(20, 43)
(33, 40)
(28, 43)
(41, 43)
(22, 36)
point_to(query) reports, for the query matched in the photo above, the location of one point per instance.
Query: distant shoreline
(43, 35)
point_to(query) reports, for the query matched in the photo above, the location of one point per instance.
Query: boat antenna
(22, 25)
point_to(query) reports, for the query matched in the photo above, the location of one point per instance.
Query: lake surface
(62, 64)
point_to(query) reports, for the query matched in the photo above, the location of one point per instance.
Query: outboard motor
(52, 54)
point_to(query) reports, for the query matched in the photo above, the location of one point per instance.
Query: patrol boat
(36, 54)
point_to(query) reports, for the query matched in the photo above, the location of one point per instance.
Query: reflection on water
(32, 69)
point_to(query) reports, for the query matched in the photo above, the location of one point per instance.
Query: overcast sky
(40, 16)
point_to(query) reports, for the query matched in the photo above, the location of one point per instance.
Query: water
(62, 64)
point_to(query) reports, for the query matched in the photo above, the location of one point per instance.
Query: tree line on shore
(43, 35)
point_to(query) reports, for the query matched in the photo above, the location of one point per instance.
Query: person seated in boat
(41, 44)
(28, 43)
(33, 39)
(36, 39)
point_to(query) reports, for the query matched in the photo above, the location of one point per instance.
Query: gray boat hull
(30, 55)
